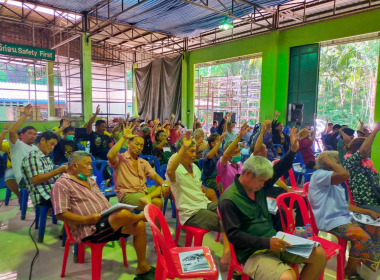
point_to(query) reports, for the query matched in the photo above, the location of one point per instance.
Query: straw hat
(304, 133)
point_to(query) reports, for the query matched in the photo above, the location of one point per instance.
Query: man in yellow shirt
(9, 177)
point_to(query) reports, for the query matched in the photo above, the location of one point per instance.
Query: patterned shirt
(361, 180)
(34, 164)
(70, 195)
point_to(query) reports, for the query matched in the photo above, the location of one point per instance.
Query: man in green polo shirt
(249, 227)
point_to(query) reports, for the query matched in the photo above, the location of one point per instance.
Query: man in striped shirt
(78, 202)
(38, 170)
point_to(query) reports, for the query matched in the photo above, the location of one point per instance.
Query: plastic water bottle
(304, 232)
(297, 231)
(103, 187)
(309, 231)
(88, 147)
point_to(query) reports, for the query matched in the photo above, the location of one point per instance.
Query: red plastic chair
(168, 263)
(349, 194)
(332, 249)
(292, 178)
(191, 232)
(234, 264)
(96, 254)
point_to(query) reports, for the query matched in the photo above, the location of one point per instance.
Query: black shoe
(147, 275)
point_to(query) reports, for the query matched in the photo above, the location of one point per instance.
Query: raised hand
(28, 110)
(266, 125)
(361, 122)
(324, 159)
(128, 131)
(98, 110)
(187, 140)
(5, 129)
(243, 130)
(294, 139)
(377, 127)
(147, 117)
(173, 116)
(276, 113)
(66, 123)
(120, 121)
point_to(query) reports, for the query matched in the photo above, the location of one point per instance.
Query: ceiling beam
(225, 14)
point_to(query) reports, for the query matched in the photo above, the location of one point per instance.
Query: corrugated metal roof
(169, 16)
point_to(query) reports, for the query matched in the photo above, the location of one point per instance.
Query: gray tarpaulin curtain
(159, 88)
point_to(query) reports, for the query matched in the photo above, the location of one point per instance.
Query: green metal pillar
(50, 87)
(86, 77)
(376, 144)
(134, 102)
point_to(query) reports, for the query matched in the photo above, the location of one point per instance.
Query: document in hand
(194, 261)
(300, 246)
(116, 207)
(365, 219)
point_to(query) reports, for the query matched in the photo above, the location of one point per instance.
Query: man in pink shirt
(78, 202)
(131, 173)
(305, 149)
(230, 163)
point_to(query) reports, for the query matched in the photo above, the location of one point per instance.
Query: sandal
(147, 275)
(354, 276)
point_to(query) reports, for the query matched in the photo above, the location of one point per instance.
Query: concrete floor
(18, 250)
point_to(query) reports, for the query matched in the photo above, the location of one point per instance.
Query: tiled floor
(17, 251)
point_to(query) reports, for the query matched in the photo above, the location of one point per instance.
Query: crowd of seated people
(57, 175)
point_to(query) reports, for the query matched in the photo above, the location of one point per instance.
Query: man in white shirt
(20, 149)
(194, 208)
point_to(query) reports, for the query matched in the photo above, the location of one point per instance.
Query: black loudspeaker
(295, 112)
(218, 116)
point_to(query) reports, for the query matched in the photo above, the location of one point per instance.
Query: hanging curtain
(159, 88)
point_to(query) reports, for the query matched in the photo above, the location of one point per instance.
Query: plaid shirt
(34, 164)
(68, 195)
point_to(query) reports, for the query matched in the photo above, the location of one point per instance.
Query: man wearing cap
(346, 136)
(131, 172)
(305, 143)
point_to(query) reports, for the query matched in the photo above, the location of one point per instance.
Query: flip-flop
(354, 276)
(147, 275)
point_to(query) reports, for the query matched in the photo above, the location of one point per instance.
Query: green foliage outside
(347, 82)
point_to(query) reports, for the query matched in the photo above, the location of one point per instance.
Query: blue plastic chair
(24, 194)
(81, 147)
(200, 164)
(278, 146)
(98, 168)
(307, 175)
(163, 172)
(244, 157)
(149, 182)
(40, 220)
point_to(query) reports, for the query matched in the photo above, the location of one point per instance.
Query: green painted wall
(86, 77)
(275, 47)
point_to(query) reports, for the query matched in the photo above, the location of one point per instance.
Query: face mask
(81, 176)
(236, 159)
(69, 137)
